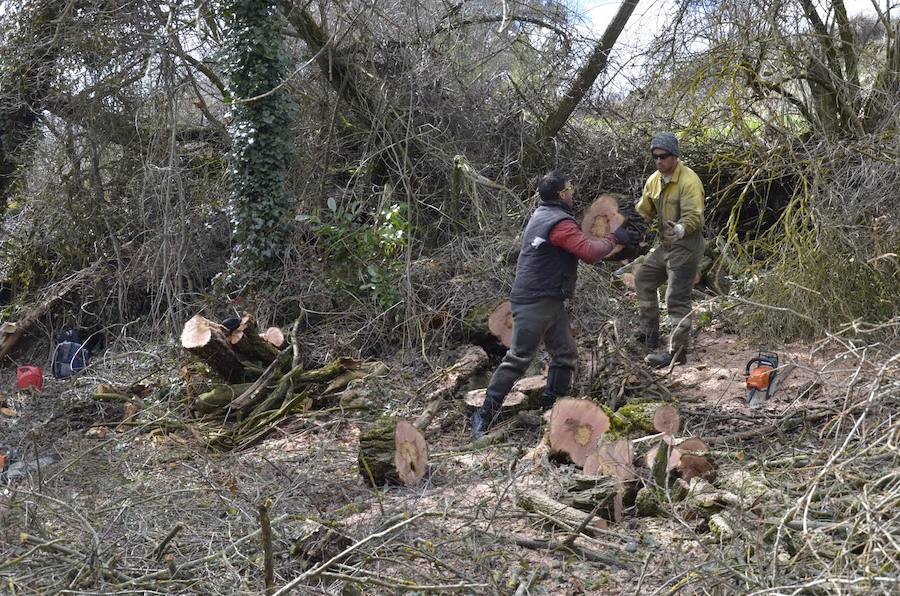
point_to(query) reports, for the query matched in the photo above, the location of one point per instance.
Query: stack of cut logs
(265, 382)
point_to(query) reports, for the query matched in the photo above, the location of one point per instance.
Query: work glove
(672, 231)
(626, 236)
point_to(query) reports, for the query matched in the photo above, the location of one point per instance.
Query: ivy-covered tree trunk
(262, 113)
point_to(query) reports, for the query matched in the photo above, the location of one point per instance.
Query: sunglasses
(661, 155)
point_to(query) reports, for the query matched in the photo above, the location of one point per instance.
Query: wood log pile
(262, 379)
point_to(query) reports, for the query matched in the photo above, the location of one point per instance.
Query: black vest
(544, 270)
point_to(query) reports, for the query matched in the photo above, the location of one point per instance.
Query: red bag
(29, 376)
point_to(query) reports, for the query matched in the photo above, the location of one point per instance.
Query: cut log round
(601, 218)
(575, 427)
(690, 466)
(693, 446)
(666, 419)
(209, 341)
(525, 394)
(274, 336)
(393, 452)
(501, 323)
(612, 459)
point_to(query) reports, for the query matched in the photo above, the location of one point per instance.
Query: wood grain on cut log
(575, 426)
(392, 452)
(246, 341)
(601, 218)
(209, 341)
(274, 336)
(525, 394)
(501, 323)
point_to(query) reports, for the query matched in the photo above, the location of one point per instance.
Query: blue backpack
(69, 358)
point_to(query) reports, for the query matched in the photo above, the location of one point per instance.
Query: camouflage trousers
(677, 267)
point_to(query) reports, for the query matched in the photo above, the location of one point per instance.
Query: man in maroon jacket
(547, 269)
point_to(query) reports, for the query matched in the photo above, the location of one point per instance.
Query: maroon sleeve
(569, 237)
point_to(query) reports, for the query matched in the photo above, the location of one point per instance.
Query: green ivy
(366, 259)
(256, 63)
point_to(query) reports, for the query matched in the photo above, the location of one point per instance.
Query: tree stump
(209, 341)
(393, 452)
(575, 427)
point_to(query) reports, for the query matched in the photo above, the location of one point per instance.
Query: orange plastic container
(29, 376)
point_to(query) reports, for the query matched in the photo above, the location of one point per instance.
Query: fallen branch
(318, 569)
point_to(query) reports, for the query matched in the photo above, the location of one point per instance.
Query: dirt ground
(97, 513)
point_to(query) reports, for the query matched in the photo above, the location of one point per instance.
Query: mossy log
(632, 419)
(392, 452)
(209, 341)
(218, 398)
(247, 341)
(586, 492)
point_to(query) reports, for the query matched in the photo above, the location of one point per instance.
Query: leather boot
(558, 380)
(664, 359)
(486, 415)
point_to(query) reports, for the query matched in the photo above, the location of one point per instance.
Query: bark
(247, 341)
(208, 341)
(588, 73)
(29, 78)
(558, 513)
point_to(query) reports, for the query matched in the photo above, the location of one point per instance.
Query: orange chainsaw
(762, 378)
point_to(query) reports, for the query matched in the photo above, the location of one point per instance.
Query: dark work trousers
(546, 319)
(676, 266)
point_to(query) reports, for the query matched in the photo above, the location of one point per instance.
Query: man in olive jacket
(546, 271)
(673, 197)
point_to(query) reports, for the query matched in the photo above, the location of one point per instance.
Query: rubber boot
(486, 415)
(664, 359)
(648, 340)
(558, 380)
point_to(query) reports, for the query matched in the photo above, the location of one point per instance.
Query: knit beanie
(665, 140)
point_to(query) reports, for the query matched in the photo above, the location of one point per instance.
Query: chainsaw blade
(755, 398)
